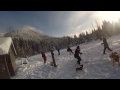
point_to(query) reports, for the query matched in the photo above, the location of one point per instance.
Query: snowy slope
(96, 65)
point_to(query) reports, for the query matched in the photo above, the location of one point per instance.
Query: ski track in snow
(96, 65)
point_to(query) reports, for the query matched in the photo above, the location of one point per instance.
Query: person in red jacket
(44, 56)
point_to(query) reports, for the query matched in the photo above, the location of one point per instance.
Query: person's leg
(54, 61)
(104, 50)
(71, 52)
(44, 60)
(109, 49)
(79, 59)
(58, 52)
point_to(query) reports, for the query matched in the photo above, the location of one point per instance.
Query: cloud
(28, 27)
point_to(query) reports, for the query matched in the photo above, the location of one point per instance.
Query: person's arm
(103, 42)
(80, 52)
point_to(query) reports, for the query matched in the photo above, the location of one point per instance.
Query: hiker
(54, 63)
(76, 55)
(106, 46)
(69, 50)
(58, 49)
(44, 57)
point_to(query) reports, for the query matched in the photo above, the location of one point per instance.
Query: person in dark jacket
(44, 56)
(54, 63)
(106, 46)
(69, 50)
(58, 49)
(76, 55)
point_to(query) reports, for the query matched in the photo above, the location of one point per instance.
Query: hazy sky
(55, 23)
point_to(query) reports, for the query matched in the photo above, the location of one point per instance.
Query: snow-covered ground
(96, 65)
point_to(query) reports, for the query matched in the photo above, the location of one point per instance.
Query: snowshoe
(79, 68)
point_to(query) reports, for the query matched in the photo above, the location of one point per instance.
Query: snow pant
(44, 58)
(105, 49)
(54, 61)
(58, 52)
(79, 59)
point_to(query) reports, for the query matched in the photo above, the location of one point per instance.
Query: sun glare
(110, 15)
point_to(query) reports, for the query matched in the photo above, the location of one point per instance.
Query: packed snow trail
(96, 65)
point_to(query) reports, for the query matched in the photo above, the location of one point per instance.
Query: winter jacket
(43, 55)
(57, 48)
(105, 42)
(77, 52)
